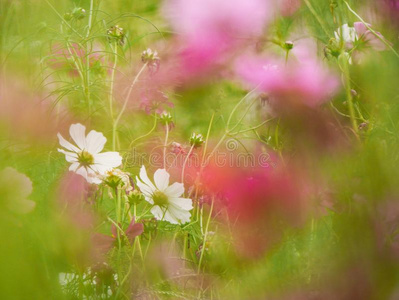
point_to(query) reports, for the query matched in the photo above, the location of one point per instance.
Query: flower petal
(95, 142)
(77, 132)
(171, 218)
(182, 216)
(108, 159)
(182, 203)
(161, 179)
(81, 171)
(67, 145)
(157, 212)
(74, 166)
(360, 28)
(69, 156)
(146, 189)
(175, 190)
(145, 179)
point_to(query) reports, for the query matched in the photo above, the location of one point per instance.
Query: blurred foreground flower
(86, 159)
(261, 204)
(15, 189)
(211, 30)
(306, 83)
(167, 200)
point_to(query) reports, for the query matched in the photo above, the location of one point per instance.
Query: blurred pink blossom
(210, 30)
(368, 38)
(261, 203)
(288, 7)
(308, 83)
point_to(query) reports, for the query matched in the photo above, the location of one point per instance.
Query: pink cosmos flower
(307, 83)
(210, 30)
(367, 38)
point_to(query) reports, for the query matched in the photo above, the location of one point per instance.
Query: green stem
(111, 92)
(205, 238)
(349, 96)
(148, 133)
(58, 14)
(165, 144)
(185, 162)
(115, 124)
(314, 13)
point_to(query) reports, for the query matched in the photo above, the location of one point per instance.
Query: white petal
(108, 159)
(77, 132)
(100, 169)
(145, 179)
(69, 156)
(170, 217)
(82, 171)
(157, 212)
(161, 179)
(175, 190)
(145, 189)
(67, 145)
(183, 216)
(182, 203)
(95, 142)
(74, 166)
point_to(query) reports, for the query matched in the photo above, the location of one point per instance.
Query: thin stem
(349, 97)
(90, 18)
(207, 138)
(58, 14)
(111, 89)
(205, 238)
(253, 128)
(148, 133)
(243, 116)
(165, 144)
(128, 94)
(314, 13)
(236, 107)
(185, 162)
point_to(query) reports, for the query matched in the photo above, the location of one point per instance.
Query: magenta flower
(210, 30)
(307, 83)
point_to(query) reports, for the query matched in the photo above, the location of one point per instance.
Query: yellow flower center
(160, 198)
(85, 158)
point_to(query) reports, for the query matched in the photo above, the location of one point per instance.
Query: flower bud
(116, 178)
(116, 33)
(196, 140)
(135, 197)
(165, 118)
(151, 58)
(78, 13)
(288, 45)
(177, 148)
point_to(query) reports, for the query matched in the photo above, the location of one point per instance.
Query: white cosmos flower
(85, 158)
(167, 201)
(346, 35)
